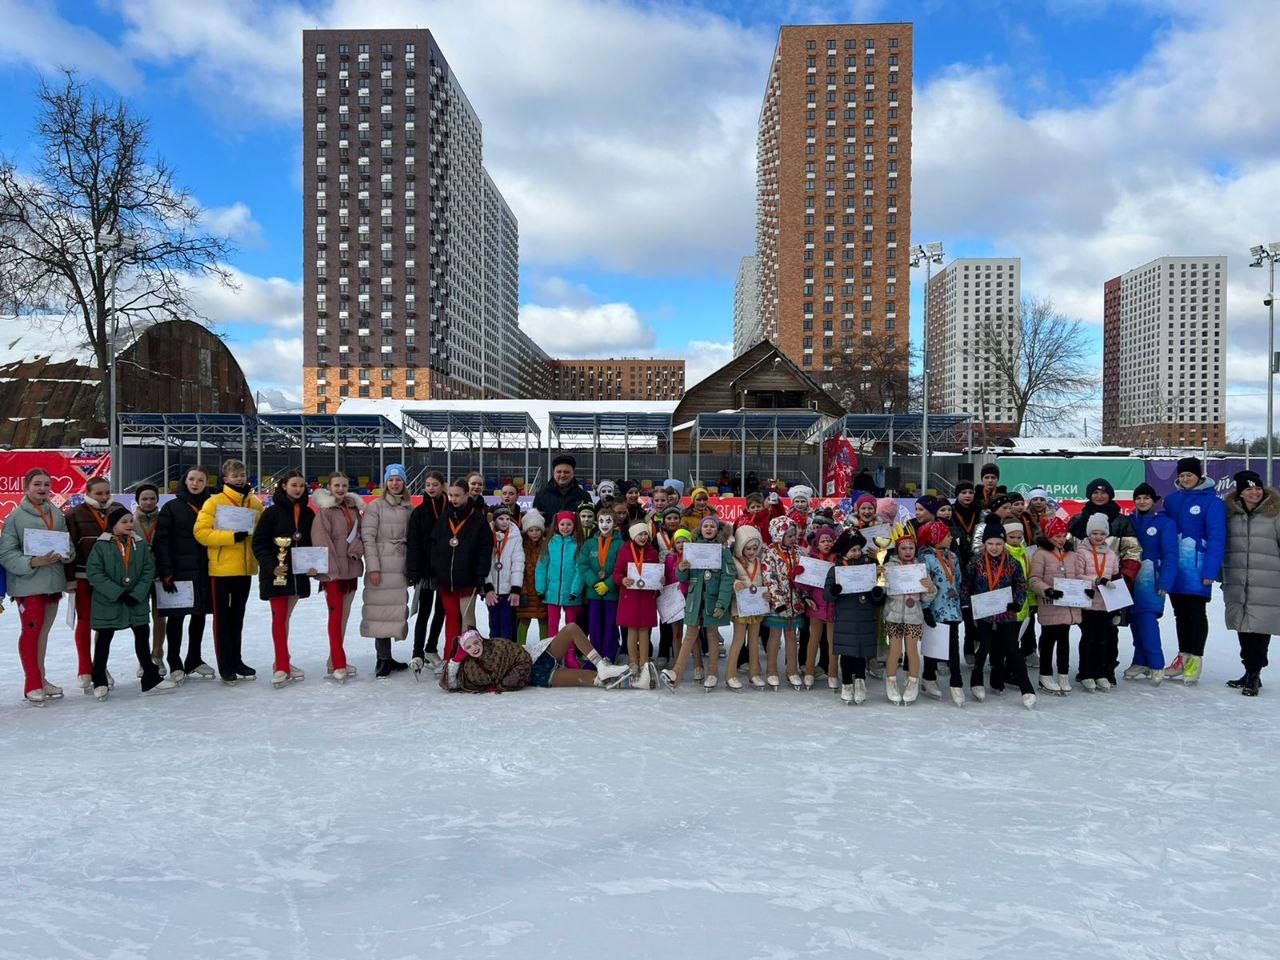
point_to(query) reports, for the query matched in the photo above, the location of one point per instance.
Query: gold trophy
(881, 556)
(282, 571)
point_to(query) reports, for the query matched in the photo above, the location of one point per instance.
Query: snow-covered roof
(23, 339)
(1057, 445)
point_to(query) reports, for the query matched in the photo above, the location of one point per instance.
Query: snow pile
(388, 819)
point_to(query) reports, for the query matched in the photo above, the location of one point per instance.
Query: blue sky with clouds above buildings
(1086, 137)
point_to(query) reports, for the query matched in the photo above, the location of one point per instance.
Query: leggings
(1253, 650)
(1191, 621)
(851, 667)
(1027, 636)
(666, 632)
(1095, 631)
(1055, 649)
(84, 614)
(502, 618)
(335, 592)
(427, 639)
(955, 677)
(230, 594)
(454, 613)
(34, 610)
(554, 614)
(173, 640)
(280, 631)
(141, 648)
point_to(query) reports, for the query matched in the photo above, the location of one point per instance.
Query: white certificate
(310, 558)
(649, 577)
(1072, 593)
(815, 571)
(905, 579)
(182, 598)
(234, 519)
(752, 604)
(671, 603)
(991, 603)
(704, 556)
(1116, 596)
(856, 579)
(936, 641)
(37, 543)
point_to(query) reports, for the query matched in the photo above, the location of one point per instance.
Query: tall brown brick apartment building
(834, 190)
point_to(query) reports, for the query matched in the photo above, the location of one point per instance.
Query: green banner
(1065, 478)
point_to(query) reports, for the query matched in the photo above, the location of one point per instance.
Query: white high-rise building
(966, 299)
(1163, 381)
(747, 329)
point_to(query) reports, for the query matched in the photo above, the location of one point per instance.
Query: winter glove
(780, 609)
(1013, 608)
(1116, 577)
(168, 585)
(877, 595)
(602, 588)
(128, 599)
(929, 619)
(1088, 592)
(1053, 594)
(836, 589)
(241, 535)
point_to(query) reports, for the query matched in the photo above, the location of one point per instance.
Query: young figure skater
(856, 623)
(506, 574)
(748, 559)
(597, 560)
(337, 528)
(904, 624)
(531, 606)
(993, 569)
(785, 600)
(822, 538)
(290, 518)
(706, 606)
(1055, 560)
(499, 665)
(558, 581)
(942, 614)
(1102, 568)
(637, 603)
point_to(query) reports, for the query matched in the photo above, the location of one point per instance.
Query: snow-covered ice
(388, 819)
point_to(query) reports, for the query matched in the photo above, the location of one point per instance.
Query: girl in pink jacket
(337, 528)
(821, 610)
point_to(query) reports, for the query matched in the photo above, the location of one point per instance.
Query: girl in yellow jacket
(231, 566)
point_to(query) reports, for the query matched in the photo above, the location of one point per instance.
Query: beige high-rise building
(833, 188)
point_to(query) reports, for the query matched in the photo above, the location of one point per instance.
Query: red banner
(68, 469)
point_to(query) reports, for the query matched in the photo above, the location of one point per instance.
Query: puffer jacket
(1098, 562)
(106, 572)
(1251, 570)
(558, 581)
(591, 571)
(422, 523)
(1201, 519)
(1007, 573)
(752, 575)
(278, 521)
(945, 572)
(1047, 565)
(1123, 538)
(465, 566)
(333, 528)
(86, 523)
(226, 557)
(856, 627)
(907, 607)
(384, 528)
(179, 556)
(508, 554)
(1158, 536)
(24, 580)
(532, 606)
(707, 594)
(822, 608)
(785, 598)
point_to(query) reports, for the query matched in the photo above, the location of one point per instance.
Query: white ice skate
(859, 691)
(846, 692)
(773, 682)
(957, 696)
(160, 665)
(164, 686)
(279, 679)
(1136, 672)
(1064, 684)
(35, 698)
(1049, 685)
(795, 681)
(202, 670)
(111, 681)
(433, 660)
(51, 692)
(979, 693)
(1090, 685)
(179, 677)
(1157, 677)
(833, 682)
(1029, 700)
(100, 693)
(891, 690)
(85, 682)
(757, 683)
(699, 673)
(808, 681)
(1104, 684)
(668, 678)
(416, 665)
(912, 692)
(733, 683)
(610, 675)
(709, 684)
(296, 674)
(931, 689)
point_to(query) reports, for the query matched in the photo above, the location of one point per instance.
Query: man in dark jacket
(563, 492)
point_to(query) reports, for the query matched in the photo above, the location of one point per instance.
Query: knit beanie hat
(994, 530)
(964, 485)
(115, 517)
(929, 502)
(606, 489)
(533, 519)
(820, 530)
(1191, 465)
(637, 528)
(1247, 480)
(501, 511)
(672, 511)
(142, 488)
(865, 498)
(1101, 483)
(1012, 525)
(1039, 492)
(847, 541)
(800, 490)
(989, 469)
(565, 515)
(1013, 496)
(887, 508)
(682, 534)
(1098, 521)
(1146, 490)
(394, 470)
(698, 490)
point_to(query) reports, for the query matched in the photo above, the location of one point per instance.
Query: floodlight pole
(1269, 254)
(928, 254)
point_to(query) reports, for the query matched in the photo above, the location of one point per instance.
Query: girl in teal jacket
(557, 579)
(596, 559)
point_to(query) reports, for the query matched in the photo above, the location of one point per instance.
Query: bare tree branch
(872, 377)
(94, 178)
(1035, 363)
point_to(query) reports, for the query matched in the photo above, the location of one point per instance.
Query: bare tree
(1036, 364)
(94, 180)
(873, 377)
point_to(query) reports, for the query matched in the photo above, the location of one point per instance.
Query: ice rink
(387, 819)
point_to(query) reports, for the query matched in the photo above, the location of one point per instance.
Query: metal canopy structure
(336, 429)
(946, 430)
(801, 428)
(216, 429)
(608, 430)
(469, 429)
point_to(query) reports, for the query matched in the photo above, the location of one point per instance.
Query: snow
(387, 818)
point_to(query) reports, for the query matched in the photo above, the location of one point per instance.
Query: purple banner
(1162, 474)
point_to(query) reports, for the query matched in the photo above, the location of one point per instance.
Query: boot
(1104, 684)
(279, 679)
(979, 693)
(808, 681)
(1252, 683)
(1089, 684)
(51, 692)
(606, 672)
(1049, 684)
(913, 690)
(382, 670)
(201, 670)
(1240, 681)
(859, 691)
(1029, 700)
(957, 696)
(846, 692)
(757, 683)
(891, 690)
(1135, 672)
(1191, 671)
(931, 689)
(1064, 683)
(1174, 670)
(164, 686)
(295, 673)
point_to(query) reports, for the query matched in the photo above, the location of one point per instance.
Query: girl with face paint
(597, 558)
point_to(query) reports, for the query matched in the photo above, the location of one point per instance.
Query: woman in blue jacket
(1158, 536)
(1201, 519)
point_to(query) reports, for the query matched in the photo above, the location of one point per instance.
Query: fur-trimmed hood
(1269, 507)
(322, 499)
(136, 537)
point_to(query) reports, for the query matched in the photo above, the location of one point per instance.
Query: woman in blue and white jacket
(1158, 535)
(1201, 520)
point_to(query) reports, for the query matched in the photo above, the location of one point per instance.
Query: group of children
(613, 568)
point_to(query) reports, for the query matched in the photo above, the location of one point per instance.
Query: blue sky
(623, 137)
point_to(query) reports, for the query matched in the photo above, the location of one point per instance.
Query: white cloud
(235, 222)
(271, 363)
(703, 358)
(596, 330)
(35, 35)
(255, 301)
